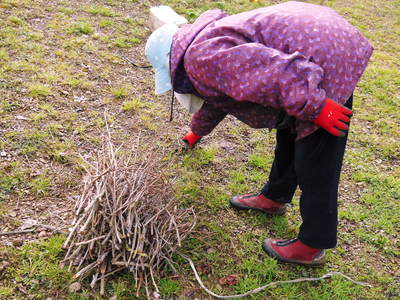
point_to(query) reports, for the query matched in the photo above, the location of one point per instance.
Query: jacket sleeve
(230, 66)
(206, 119)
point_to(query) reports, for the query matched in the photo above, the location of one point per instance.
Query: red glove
(191, 139)
(334, 118)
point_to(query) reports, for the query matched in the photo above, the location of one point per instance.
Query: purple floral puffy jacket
(256, 65)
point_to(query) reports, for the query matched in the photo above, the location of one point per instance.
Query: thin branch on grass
(17, 232)
(133, 63)
(36, 226)
(259, 289)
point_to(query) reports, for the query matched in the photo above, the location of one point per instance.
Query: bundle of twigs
(126, 218)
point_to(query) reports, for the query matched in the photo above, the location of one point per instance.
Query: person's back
(320, 34)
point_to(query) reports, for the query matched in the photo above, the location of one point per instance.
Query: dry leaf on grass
(204, 268)
(229, 280)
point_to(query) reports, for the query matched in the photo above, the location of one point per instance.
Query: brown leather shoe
(294, 251)
(258, 202)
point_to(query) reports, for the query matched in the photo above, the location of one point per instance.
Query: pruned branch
(271, 284)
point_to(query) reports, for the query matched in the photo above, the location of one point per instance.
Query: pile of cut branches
(126, 218)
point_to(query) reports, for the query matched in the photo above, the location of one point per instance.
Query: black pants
(314, 164)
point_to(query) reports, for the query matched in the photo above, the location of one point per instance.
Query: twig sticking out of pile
(126, 218)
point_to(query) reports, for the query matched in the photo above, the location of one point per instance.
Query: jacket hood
(181, 41)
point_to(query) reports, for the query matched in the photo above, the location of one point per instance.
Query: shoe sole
(235, 204)
(315, 263)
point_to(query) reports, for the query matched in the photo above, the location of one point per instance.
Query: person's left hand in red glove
(191, 139)
(334, 118)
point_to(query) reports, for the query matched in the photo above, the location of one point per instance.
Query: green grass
(6, 291)
(39, 269)
(4, 55)
(39, 90)
(40, 185)
(169, 287)
(260, 161)
(81, 28)
(102, 11)
(12, 177)
(16, 20)
(61, 70)
(120, 92)
(199, 157)
(126, 42)
(132, 105)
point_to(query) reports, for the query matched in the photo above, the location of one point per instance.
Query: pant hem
(317, 245)
(282, 200)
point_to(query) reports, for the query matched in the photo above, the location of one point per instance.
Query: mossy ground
(62, 69)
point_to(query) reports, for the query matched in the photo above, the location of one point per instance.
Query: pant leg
(282, 180)
(318, 163)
